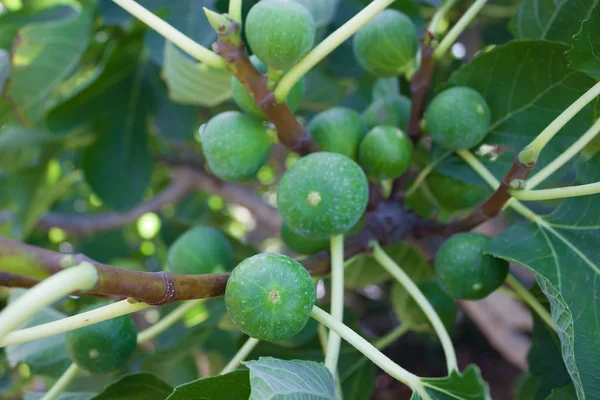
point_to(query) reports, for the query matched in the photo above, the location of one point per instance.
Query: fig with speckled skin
(457, 118)
(270, 296)
(235, 146)
(200, 250)
(392, 110)
(385, 152)
(322, 195)
(337, 130)
(280, 32)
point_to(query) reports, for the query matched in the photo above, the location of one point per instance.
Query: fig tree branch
(419, 87)
(231, 47)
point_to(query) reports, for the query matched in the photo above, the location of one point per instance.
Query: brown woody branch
(232, 49)
(419, 87)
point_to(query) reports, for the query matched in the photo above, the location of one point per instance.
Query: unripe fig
(322, 195)
(458, 118)
(245, 101)
(301, 244)
(103, 347)
(385, 152)
(270, 296)
(301, 338)
(235, 146)
(386, 46)
(337, 130)
(453, 194)
(464, 271)
(200, 250)
(280, 32)
(392, 110)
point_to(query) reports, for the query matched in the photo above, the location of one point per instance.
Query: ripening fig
(302, 244)
(280, 32)
(458, 118)
(322, 195)
(392, 110)
(385, 152)
(245, 101)
(270, 296)
(200, 250)
(464, 271)
(337, 130)
(103, 347)
(453, 194)
(235, 146)
(386, 46)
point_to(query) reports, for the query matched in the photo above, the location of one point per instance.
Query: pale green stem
(110, 311)
(530, 300)
(235, 11)
(555, 126)
(176, 37)
(368, 350)
(166, 322)
(439, 15)
(329, 44)
(391, 337)
(491, 180)
(433, 317)
(322, 335)
(81, 277)
(424, 174)
(240, 356)
(61, 384)
(507, 292)
(458, 28)
(337, 300)
(557, 193)
(565, 157)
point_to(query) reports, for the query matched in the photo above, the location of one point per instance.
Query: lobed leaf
(584, 55)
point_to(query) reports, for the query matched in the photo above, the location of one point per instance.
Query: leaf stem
(186, 44)
(166, 322)
(329, 44)
(95, 316)
(240, 356)
(458, 28)
(368, 350)
(557, 193)
(235, 11)
(63, 283)
(61, 384)
(424, 174)
(440, 13)
(391, 336)
(334, 340)
(396, 271)
(555, 126)
(530, 300)
(565, 157)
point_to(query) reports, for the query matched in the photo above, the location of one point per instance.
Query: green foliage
(337, 130)
(272, 378)
(464, 271)
(586, 44)
(201, 250)
(390, 109)
(280, 32)
(144, 386)
(467, 385)
(457, 118)
(387, 45)
(235, 146)
(105, 346)
(237, 384)
(322, 195)
(270, 296)
(454, 194)
(385, 152)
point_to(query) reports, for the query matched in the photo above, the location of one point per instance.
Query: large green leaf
(585, 53)
(136, 387)
(232, 386)
(46, 356)
(117, 107)
(563, 393)
(273, 378)
(466, 385)
(43, 56)
(526, 85)
(563, 250)
(556, 20)
(190, 82)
